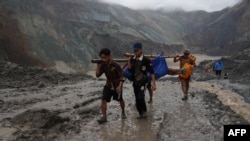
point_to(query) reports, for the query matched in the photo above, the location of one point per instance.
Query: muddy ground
(42, 105)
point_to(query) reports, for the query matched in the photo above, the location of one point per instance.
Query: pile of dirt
(42, 124)
(220, 114)
(202, 117)
(237, 67)
(16, 76)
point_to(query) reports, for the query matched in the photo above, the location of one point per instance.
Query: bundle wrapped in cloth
(159, 65)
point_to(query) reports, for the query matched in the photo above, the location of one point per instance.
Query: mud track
(69, 112)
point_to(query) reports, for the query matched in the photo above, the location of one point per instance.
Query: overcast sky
(187, 5)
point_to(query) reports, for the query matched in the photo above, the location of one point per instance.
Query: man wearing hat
(185, 59)
(139, 65)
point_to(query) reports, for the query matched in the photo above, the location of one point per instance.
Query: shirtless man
(185, 81)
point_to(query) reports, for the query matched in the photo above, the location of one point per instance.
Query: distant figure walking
(218, 67)
(114, 83)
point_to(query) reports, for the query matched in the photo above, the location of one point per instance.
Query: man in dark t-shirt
(114, 83)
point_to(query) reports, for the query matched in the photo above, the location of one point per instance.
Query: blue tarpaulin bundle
(159, 65)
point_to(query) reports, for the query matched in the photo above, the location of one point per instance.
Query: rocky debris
(17, 76)
(207, 124)
(40, 85)
(89, 25)
(237, 67)
(218, 116)
(26, 88)
(38, 118)
(71, 110)
(42, 124)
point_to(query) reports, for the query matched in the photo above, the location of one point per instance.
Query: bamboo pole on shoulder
(149, 56)
(128, 55)
(100, 60)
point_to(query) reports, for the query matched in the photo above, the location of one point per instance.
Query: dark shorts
(218, 72)
(107, 94)
(149, 83)
(181, 78)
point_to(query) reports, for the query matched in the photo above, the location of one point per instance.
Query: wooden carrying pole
(128, 55)
(149, 56)
(100, 60)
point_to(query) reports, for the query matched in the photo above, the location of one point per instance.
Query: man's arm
(129, 62)
(176, 58)
(153, 84)
(119, 87)
(122, 78)
(193, 63)
(98, 71)
(151, 70)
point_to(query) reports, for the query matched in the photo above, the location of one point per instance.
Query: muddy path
(69, 112)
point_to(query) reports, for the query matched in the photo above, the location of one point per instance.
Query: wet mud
(68, 110)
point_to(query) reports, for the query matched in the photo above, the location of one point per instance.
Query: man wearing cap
(139, 65)
(185, 81)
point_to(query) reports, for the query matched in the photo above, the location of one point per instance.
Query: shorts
(181, 78)
(218, 72)
(149, 83)
(107, 94)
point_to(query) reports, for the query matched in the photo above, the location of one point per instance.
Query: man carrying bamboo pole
(139, 65)
(185, 60)
(114, 83)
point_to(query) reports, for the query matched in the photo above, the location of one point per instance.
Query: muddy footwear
(140, 117)
(184, 98)
(124, 116)
(150, 101)
(143, 115)
(102, 120)
(192, 95)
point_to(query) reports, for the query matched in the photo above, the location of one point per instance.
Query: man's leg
(184, 89)
(103, 119)
(104, 108)
(150, 95)
(217, 74)
(187, 84)
(106, 96)
(136, 92)
(122, 104)
(140, 100)
(220, 74)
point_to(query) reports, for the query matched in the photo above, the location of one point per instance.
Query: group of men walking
(139, 66)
